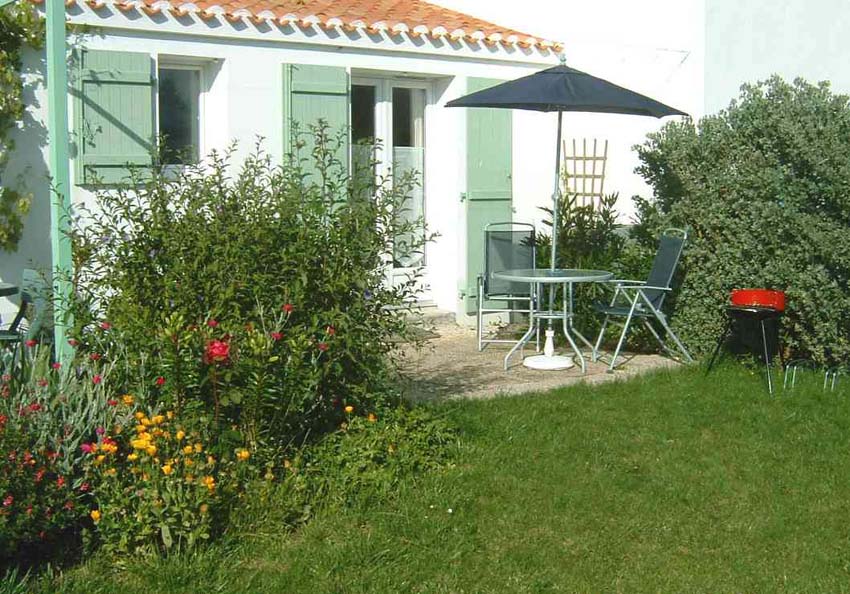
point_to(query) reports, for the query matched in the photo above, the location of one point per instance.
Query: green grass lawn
(668, 483)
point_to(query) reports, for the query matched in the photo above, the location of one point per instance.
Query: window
(179, 104)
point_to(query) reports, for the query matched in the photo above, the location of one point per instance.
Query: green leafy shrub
(162, 257)
(368, 457)
(762, 187)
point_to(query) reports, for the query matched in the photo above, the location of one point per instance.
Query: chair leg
(660, 317)
(480, 316)
(594, 355)
(658, 338)
(623, 335)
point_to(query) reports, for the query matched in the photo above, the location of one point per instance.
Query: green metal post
(57, 127)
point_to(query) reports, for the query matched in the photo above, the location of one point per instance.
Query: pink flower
(73, 342)
(95, 356)
(60, 481)
(160, 381)
(276, 335)
(85, 487)
(100, 430)
(8, 501)
(31, 343)
(212, 323)
(217, 351)
(105, 326)
(96, 379)
(34, 407)
(39, 475)
(287, 307)
(112, 402)
(323, 346)
(56, 365)
(42, 382)
(87, 448)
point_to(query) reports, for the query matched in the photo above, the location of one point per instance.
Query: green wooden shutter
(114, 114)
(311, 93)
(488, 182)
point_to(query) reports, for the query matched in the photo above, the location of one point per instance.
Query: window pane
(409, 156)
(179, 94)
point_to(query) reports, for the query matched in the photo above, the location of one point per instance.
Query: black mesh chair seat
(620, 310)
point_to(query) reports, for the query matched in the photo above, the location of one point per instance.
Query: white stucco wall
(749, 40)
(245, 100)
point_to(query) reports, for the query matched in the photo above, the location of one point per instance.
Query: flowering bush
(207, 254)
(157, 485)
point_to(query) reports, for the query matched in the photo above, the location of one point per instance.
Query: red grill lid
(759, 298)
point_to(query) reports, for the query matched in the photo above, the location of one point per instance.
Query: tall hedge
(764, 187)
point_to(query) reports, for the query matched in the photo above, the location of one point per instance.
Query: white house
(207, 74)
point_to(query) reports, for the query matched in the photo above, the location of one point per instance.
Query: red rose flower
(96, 379)
(60, 481)
(85, 487)
(56, 365)
(323, 346)
(276, 335)
(212, 323)
(31, 342)
(287, 307)
(87, 448)
(95, 356)
(105, 325)
(42, 382)
(73, 342)
(34, 407)
(217, 351)
(112, 402)
(160, 381)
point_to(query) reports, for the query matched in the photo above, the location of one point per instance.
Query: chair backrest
(507, 246)
(35, 292)
(670, 248)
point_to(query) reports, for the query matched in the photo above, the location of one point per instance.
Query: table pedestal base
(548, 362)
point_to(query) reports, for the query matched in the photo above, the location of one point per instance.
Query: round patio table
(538, 279)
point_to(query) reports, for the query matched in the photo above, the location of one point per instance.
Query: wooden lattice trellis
(584, 170)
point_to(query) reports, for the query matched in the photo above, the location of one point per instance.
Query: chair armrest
(620, 281)
(644, 287)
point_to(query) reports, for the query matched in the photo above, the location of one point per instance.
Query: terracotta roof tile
(414, 17)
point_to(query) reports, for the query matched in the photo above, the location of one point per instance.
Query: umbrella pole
(556, 194)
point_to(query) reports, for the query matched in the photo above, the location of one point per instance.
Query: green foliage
(19, 27)
(251, 248)
(369, 457)
(762, 187)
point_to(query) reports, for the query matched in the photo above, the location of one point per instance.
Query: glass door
(388, 130)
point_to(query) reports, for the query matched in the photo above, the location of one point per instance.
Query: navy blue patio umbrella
(561, 89)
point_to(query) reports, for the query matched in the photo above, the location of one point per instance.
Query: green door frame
(60, 204)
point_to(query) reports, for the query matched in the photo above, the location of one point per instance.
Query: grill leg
(723, 336)
(766, 358)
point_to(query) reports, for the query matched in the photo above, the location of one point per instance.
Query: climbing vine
(20, 26)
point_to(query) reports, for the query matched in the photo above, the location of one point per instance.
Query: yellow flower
(127, 399)
(198, 448)
(180, 435)
(99, 460)
(349, 409)
(111, 472)
(204, 508)
(95, 515)
(140, 444)
(145, 476)
(139, 415)
(158, 419)
(167, 469)
(170, 414)
(188, 462)
(209, 482)
(187, 450)
(151, 450)
(146, 422)
(210, 460)
(243, 454)
(132, 457)
(372, 418)
(287, 464)
(141, 429)
(189, 478)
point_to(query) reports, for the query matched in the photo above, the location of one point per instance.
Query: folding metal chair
(507, 246)
(643, 299)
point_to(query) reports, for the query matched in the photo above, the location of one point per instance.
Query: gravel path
(450, 366)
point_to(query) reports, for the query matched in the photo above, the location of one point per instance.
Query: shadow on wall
(27, 172)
